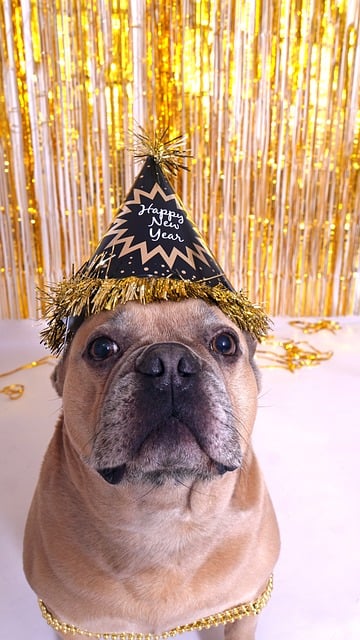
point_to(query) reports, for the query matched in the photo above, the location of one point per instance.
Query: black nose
(168, 363)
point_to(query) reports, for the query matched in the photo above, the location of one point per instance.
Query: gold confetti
(291, 355)
(13, 391)
(314, 327)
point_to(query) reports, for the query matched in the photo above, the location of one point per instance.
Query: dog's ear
(58, 375)
(252, 344)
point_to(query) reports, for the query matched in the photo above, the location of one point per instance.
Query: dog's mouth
(170, 451)
(114, 475)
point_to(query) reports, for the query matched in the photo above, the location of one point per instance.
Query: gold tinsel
(80, 296)
(268, 94)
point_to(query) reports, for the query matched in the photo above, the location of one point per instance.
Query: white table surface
(307, 437)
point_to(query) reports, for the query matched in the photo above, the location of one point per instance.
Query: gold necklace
(229, 615)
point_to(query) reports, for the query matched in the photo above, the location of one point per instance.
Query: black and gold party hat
(151, 252)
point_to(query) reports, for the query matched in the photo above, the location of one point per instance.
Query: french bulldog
(151, 511)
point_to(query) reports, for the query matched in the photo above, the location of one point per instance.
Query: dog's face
(157, 392)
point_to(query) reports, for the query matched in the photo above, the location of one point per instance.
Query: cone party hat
(151, 252)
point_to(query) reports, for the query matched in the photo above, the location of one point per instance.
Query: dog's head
(159, 391)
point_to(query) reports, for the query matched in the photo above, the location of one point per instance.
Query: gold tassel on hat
(166, 153)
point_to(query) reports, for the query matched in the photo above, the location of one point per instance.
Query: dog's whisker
(144, 495)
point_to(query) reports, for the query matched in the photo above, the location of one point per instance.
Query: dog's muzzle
(176, 419)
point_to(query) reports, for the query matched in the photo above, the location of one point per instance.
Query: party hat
(151, 252)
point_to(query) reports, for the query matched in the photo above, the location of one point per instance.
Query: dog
(151, 510)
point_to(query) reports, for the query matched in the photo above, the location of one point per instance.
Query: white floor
(307, 438)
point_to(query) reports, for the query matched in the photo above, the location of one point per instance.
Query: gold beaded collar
(230, 615)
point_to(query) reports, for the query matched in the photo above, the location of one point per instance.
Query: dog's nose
(168, 363)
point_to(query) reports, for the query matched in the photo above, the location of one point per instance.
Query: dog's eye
(224, 344)
(102, 348)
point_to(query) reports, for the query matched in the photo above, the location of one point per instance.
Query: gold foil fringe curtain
(268, 93)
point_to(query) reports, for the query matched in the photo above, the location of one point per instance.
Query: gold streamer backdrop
(268, 94)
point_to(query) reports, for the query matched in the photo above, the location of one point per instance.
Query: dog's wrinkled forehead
(168, 318)
(160, 321)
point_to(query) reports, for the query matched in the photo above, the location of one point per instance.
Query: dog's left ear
(252, 344)
(58, 375)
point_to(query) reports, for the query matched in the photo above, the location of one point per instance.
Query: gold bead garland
(229, 616)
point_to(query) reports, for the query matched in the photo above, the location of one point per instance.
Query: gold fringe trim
(81, 296)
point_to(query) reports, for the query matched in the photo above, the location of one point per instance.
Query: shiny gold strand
(268, 95)
(291, 355)
(29, 365)
(315, 326)
(16, 391)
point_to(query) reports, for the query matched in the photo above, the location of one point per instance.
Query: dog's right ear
(58, 375)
